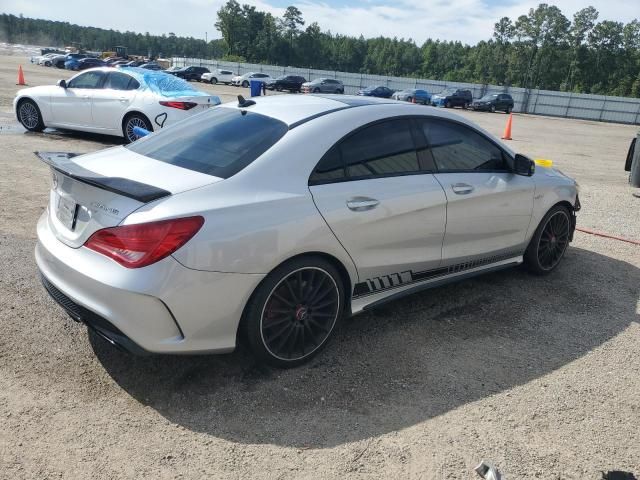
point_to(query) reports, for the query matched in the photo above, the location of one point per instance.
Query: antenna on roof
(244, 103)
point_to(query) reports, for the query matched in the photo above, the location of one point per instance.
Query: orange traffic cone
(20, 76)
(507, 129)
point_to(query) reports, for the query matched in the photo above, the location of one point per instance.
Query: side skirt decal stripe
(386, 282)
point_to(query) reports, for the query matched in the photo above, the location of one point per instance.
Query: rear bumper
(162, 308)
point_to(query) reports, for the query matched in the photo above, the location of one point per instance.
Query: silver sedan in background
(277, 216)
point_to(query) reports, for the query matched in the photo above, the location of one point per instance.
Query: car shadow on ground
(399, 365)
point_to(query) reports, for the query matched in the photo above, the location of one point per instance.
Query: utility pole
(206, 37)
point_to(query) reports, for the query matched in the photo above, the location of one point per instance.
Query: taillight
(179, 105)
(135, 246)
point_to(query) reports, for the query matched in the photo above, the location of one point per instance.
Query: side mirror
(523, 166)
(62, 83)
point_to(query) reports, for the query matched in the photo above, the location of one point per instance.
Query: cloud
(468, 21)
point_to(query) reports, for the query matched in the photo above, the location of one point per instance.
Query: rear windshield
(219, 142)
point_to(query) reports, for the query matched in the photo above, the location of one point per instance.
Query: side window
(456, 147)
(120, 81)
(87, 80)
(329, 168)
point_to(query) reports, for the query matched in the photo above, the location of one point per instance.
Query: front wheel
(492, 108)
(447, 104)
(549, 241)
(245, 84)
(213, 81)
(132, 121)
(29, 116)
(294, 311)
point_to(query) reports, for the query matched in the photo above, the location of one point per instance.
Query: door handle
(361, 204)
(461, 188)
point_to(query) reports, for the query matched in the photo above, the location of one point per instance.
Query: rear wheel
(465, 105)
(340, 91)
(508, 110)
(245, 84)
(316, 90)
(447, 104)
(29, 116)
(493, 108)
(132, 121)
(292, 314)
(213, 81)
(549, 241)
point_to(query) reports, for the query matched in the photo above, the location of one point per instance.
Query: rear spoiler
(61, 161)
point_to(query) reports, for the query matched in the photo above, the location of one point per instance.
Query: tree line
(540, 49)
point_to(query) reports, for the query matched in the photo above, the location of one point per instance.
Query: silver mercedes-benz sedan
(275, 217)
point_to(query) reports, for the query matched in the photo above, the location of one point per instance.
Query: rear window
(219, 142)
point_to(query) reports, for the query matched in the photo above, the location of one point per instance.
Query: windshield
(219, 142)
(488, 98)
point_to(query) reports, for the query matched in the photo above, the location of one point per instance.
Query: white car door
(71, 106)
(488, 207)
(387, 211)
(110, 102)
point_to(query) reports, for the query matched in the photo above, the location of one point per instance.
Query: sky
(468, 21)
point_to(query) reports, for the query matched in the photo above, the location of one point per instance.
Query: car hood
(39, 91)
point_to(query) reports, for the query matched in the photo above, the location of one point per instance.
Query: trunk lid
(99, 190)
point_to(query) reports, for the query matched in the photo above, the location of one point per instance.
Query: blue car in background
(376, 91)
(413, 95)
(72, 60)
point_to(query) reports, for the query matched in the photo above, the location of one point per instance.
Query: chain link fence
(538, 102)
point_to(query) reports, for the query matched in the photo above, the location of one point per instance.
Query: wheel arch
(342, 270)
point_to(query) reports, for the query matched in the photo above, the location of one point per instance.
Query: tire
(508, 110)
(549, 242)
(465, 105)
(213, 81)
(134, 120)
(29, 115)
(293, 312)
(340, 92)
(492, 108)
(410, 99)
(447, 104)
(316, 90)
(245, 84)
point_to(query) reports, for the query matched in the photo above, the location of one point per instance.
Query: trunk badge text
(104, 208)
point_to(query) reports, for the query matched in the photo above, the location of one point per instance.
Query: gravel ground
(540, 376)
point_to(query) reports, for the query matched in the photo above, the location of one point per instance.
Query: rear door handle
(461, 188)
(361, 204)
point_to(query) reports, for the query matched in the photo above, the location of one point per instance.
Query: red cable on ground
(606, 235)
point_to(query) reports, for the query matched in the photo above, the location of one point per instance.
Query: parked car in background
(151, 66)
(133, 63)
(85, 63)
(379, 91)
(218, 76)
(111, 101)
(57, 61)
(292, 83)
(190, 73)
(71, 63)
(452, 98)
(45, 60)
(201, 240)
(172, 69)
(323, 85)
(493, 102)
(420, 96)
(244, 80)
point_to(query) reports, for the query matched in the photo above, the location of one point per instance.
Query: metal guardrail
(533, 101)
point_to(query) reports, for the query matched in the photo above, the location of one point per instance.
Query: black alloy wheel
(549, 242)
(294, 311)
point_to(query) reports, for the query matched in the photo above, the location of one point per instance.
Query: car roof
(298, 109)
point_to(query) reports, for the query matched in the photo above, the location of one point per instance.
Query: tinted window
(458, 148)
(329, 168)
(120, 81)
(226, 72)
(87, 80)
(220, 142)
(380, 150)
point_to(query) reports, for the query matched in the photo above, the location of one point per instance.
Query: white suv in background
(218, 76)
(244, 80)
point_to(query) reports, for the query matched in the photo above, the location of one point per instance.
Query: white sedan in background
(218, 76)
(112, 102)
(244, 80)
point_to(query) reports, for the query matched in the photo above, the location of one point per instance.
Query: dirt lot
(540, 376)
